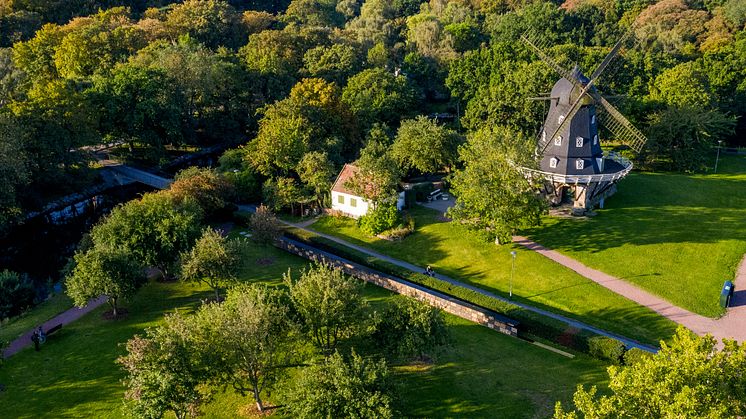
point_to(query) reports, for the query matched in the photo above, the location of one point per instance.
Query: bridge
(127, 174)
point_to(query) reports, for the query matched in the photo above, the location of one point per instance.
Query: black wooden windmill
(569, 148)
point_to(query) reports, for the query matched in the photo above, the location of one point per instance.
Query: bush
(379, 219)
(16, 293)
(401, 231)
(635, 355)
(265, 228)
(605, 348)
(410, 328)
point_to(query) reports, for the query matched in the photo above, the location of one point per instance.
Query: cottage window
(353, 202)
(553, 162)
(558, 140)
(341, 199)
(579, 164)
(579, 142)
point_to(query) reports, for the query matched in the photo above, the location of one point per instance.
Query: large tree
(376, 95)
(329, 303)
(493, 196)
(208, 188)
(424, 145)
(250, 334)
(335, 388)
(14, 170)
(378, 175)
(104, 271)
(153, 230)
(164, 371)
(410, 328)
(688, 378)
(214, 260)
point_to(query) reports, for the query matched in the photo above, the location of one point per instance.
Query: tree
(376, 95)
(493, 196)
(424, 145)
(164, 371)
(682, 86)
(265, 228)
(329, 304)
(317, 172)
(284, 137)
(214, 260)
(212, 22)
(683, 138)
(314, 13)
(16, 293)
(250, 332)
(153, 230)
(358, 388)
(378, 175)
(104, 271)
(410, 328)
(335, 63)
(383, 216)
(690, 378)
(14, 170)
(208, 188)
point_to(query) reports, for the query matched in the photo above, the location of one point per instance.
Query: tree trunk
(217, 294)
(258, 399)
(113, 302)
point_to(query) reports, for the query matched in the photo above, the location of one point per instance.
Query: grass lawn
(33, 318)
(678, 236)
(483, 373)
(452, 251)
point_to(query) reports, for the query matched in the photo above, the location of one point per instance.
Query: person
(35, 339)
(429, 271)
(42, 335)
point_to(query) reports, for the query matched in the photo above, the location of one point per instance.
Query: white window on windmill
(579, 142)
(560, 119)
(558, 140)
(600, 162)
(593, 119)
(579, 164)
(543, 135)
(595, 139)
(553, 162)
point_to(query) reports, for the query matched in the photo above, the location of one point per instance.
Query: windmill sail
(619, 126)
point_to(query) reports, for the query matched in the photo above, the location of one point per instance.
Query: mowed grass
(453, 251)
(677, 236)
(483, 373)
(17, 326)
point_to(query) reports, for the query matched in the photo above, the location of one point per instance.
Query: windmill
(568, 147)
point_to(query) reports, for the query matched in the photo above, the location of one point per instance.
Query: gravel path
(63, 318)
(732, 325)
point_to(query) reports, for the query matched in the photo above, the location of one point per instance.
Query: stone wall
(442, 301)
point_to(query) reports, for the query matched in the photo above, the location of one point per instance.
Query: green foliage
(106, 271)
(683, 138)
(214, 260)
(330, 304)
(14, 170)
(608, 349)
(334, 63)
(409, 328)
(210, 190)
(212, 22)
(424, 145)
(688, 378)
(379, 218)
(376, 95)
(317, 172)
(493, 195)
(151, 229)
(16, 293)
(636, 355)
(314, 13)
(378, 174)
(244, 180)
(335, 388)
(265, 228)
(683, 86)
(164, 372)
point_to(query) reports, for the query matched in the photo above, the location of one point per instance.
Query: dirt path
(732, 325)
(63, 318)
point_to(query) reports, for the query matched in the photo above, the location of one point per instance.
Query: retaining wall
(442, 301)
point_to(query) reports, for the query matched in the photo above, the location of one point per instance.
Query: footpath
(63, 318)
(731, 326)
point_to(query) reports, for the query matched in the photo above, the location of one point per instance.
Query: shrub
(635, 355)
(606, 348)
(379, 219)
(16, 293)
(265, 228)
(410, 328)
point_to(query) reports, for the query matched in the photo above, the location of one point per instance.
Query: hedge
(533, 326)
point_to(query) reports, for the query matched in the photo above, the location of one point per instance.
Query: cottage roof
(348, 171)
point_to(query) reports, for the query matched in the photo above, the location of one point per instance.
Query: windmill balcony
(612, 173)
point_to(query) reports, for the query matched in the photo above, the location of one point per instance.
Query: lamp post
(512, 270)
(718, 156)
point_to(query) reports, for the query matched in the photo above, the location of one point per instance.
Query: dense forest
(299, 88)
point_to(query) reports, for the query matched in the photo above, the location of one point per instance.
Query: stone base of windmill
(584, 197)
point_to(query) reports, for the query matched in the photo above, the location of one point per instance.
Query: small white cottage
(349, 203)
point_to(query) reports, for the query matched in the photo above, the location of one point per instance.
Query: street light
(512, 270)
(718, 156)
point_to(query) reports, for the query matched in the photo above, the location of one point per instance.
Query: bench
(434, 195)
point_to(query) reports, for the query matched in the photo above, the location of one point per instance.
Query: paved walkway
(574, 323)
(63, 318)
(732, 325)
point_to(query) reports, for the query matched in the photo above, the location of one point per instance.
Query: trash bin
(726, 294)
